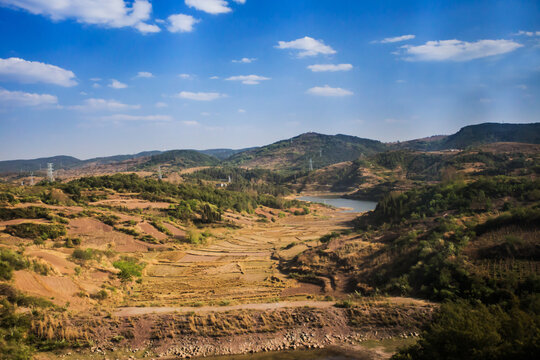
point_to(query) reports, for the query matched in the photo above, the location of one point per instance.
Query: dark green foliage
(192, 199)
(260, 181)
(459, 197)
(129, 268)
(30, 212)
(9, 261)
(16, 341)
(82, 256)
(159, 226)
(326, 238)
(128, 231)
(6, 197)
(36, 231)
(182, 158)
(322, 149)
(463, 331)
(100, 295)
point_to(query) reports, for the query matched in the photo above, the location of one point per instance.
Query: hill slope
(181, 159)
(295, 153)
(474, 135)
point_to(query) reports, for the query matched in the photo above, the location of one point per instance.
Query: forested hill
(475, 135)
(491, 133)
(295, 153)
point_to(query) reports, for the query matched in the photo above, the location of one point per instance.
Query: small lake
(324, 354)
(339, 202)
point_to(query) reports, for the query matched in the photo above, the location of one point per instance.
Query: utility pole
(50, 172)
(160, 176)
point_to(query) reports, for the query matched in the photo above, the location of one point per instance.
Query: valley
(223, 257)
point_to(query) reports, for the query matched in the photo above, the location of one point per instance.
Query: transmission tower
(320, 152)
(50, 172)
(310, 164)
(160, 176)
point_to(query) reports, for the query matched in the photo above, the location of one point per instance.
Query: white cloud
(210, 6)
(147, 28)
(200, 96)
(400, 81)
(528, 33)
(96, 86)
(204, 113)
(125, 117)
(522, 86)
(240, 1)
(144, 74)
(161, 104)
(395, 39)
(214, 77)
(241, 111)
(19, 98)
(307, 46)
(330, 67)
(107, 13)
(190, 123)
(115, 84)
(245, 60)
(30, 72)
(181, 23)
(185, 76)
(457, 50)
(248, 79)
(328, 91)
(103, 104)
(95, 79)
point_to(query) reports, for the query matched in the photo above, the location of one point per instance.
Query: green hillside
(295, 153)
(181, 159)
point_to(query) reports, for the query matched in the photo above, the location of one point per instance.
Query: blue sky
(102, 77)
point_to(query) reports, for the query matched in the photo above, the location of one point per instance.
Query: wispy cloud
(103, 104)
(528, 33)
(106, 13)
(115, 84)
(457, 50)
(394, 39)
(161, 104)
(186, 76)
(190, 123)
(330, 67)
(181, 23)
(245, 60)
(30, 72)
(144, 74)
(241, 111)
(248, 79)
(329, 91)
(307, 46)
(19, 98)
(200, 96)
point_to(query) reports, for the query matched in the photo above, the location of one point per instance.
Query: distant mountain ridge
(474, 135)
(298, 152)
(295, 153)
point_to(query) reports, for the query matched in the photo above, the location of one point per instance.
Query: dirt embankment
(241, 331)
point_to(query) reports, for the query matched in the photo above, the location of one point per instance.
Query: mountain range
(295, 154)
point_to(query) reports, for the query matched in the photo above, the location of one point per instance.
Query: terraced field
(237, 266)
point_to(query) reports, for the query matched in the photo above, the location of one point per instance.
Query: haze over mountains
(295, 153)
